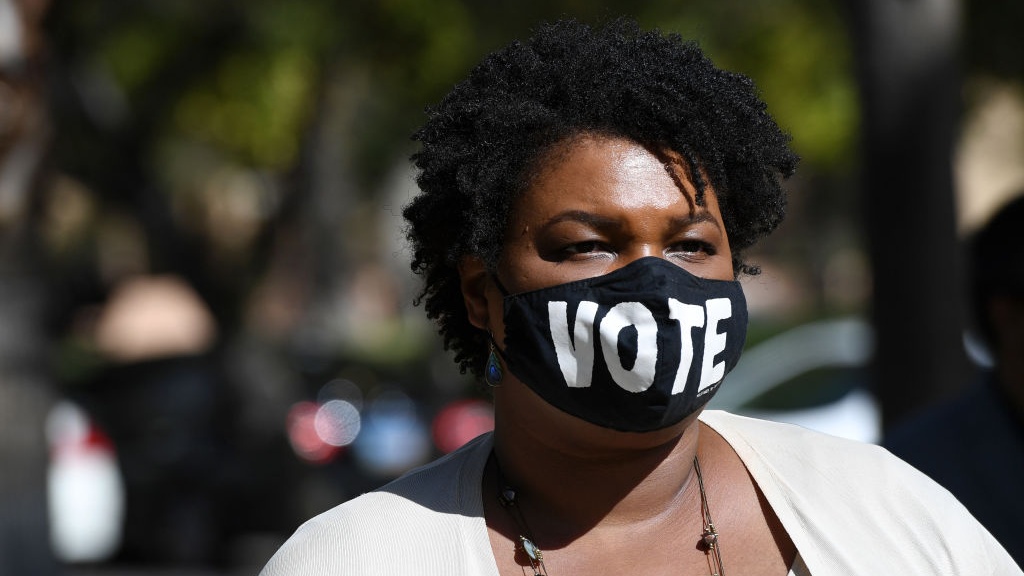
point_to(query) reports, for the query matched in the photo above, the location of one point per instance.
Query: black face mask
(635, 350)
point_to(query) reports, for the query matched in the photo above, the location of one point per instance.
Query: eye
(581, 247)
(582, 250)
(692, 249)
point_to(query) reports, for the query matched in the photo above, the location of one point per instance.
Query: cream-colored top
(850, 509)
(799, 568)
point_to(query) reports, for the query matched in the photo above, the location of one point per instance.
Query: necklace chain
(508, 498)
(709, 536)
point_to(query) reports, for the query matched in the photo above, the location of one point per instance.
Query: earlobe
(473, 281)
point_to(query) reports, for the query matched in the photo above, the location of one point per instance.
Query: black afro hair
(483, 141)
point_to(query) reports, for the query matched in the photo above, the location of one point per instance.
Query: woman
(586, 197)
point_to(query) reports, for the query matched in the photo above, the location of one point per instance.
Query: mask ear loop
(493, 372)
(501, 287)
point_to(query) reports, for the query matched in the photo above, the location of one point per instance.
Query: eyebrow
(598, 221)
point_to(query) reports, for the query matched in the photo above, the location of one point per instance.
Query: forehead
(601, 171)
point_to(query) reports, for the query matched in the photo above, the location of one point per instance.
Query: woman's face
(598, 204)
(601, 203)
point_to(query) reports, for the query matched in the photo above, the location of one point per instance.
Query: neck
(573, 476)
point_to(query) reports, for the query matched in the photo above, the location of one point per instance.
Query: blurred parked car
(813, 375)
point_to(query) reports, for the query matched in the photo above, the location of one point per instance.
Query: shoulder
(813, 465)
(429, 513)
(780, 445)
(806, 464)
(967, 444)
(944, 424)
(844, 501)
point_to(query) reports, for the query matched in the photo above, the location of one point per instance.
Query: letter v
(575, 355)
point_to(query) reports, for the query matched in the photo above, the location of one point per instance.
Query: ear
(473, 281)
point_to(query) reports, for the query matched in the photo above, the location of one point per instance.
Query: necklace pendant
(507, 497)
(531, 549)
(710, 538)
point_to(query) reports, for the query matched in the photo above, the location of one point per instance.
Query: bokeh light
(461, 421)
(394, 437)
(303, 435)
(337, 422)
(85, 491)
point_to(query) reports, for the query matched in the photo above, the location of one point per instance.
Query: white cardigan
(850, 509)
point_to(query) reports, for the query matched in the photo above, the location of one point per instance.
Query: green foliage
(253, 96)
(308, 25)
(797, 52)
(133, 53)
(255, 105)
(430, 41)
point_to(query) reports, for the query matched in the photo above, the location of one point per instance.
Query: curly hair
(485, 140)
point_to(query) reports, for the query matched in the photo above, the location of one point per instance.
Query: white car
(810, 375)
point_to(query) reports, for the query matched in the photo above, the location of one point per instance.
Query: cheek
(725, 270)
(496, 315)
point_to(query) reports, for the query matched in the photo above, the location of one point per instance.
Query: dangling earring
(492, 370)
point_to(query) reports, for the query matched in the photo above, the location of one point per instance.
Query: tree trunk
(25, 399)
(907, 56)
(26, 392)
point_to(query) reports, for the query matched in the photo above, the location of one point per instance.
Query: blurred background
(207, 330)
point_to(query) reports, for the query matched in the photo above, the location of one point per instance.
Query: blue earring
(492, 370)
